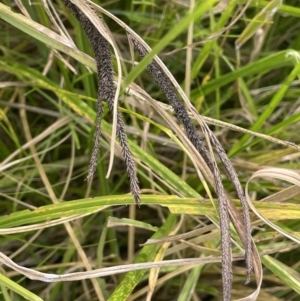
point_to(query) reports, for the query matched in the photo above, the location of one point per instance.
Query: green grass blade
(147, 254)
(189, 284)
(262, 66)
(18, 289)
(193, 206)
(288, 275)
(277, 98)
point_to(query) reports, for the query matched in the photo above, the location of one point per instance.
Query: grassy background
(47, 103)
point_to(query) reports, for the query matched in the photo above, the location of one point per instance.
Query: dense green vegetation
(238, 63)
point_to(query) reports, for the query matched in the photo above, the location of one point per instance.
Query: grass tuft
(65, 238)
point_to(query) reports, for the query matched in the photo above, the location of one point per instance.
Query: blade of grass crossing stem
(277, 98)
(288, 275)
(18, 289)
(147, 254)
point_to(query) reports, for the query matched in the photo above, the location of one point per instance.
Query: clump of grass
(47, 111)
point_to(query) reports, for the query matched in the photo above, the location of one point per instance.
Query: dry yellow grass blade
(274, 173)
(46, 277)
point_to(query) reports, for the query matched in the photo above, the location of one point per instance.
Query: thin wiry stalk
(106, 91)
(166, 86)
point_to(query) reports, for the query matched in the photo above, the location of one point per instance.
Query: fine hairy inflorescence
(106, 91)
(167, 87)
